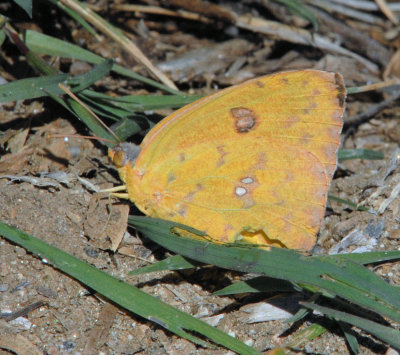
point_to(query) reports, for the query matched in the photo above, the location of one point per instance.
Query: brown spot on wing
(261, 162)
(333, 133)
(314, 216)
(289, 176)
(191, 194)
(291, 121)
(247, 201)
(305, 139)
(288, 223)
(222, 153)
(330, 152)
(319, 194)
(313, 105)
(227, 229)
(278, 200)
(171, 177)
(183, 210)
(245, 119)
(199, 187)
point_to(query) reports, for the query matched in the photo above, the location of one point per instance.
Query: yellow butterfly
(250, 163)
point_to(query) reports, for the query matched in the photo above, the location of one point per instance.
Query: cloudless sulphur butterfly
(250, 163)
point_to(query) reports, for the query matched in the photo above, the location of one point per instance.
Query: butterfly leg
(115, 189)
(120, 195)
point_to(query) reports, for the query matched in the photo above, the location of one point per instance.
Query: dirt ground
(60, 209)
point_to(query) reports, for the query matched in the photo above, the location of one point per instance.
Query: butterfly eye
(119, 159)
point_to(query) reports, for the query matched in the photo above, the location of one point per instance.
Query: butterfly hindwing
(253, 161)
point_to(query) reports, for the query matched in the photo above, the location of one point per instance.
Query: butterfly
(251, 163)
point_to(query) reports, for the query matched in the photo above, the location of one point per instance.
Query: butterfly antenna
(80, 136)
(71, 94)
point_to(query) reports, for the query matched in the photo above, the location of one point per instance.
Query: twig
(387, 11)
(299, 36)
(352, 38)
(22, 312)
(370, 112)
(160, 11)
(367, 5)
(344, 10)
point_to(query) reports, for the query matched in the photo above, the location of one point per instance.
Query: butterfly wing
(253, 161)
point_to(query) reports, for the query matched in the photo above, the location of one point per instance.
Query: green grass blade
(36, 62)
(364, 258)
(303, 337)
(331, 277)
(32, 88)
(82, 113)
(350, 337)
(104, 108)
(26, 5)
(387, 334)
(2, 34)
(81, 82)
(91, 121)
(128, 127)
(266, 284)
(258, 284)
(367, 154)
(125, 295)
(348, 203)
(44, 44)
(176, 262)
(76, 17)
(140, 103)
(299, 9)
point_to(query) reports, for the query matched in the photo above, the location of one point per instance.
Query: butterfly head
(123, 154)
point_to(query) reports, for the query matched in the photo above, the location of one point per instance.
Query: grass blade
(147, 102)
(387, 334)
(176, 262)
(44, 44)
(258, 284)
(368, 154)
(348, 203)
(364, 258)
(299, 9)
(125, 295)
(266, 284)
(81, 82)
(331, 277)
(31, 88)
(76, 17)
(26, 5)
